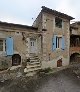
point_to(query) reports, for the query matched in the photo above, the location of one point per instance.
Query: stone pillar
(44, 47)
(27, 46)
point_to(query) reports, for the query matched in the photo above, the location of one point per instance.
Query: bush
(44, 71)
(4, 65)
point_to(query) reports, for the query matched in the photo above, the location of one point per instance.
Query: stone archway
(16, 60)
(75, 57)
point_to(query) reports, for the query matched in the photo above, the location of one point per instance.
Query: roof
(76, 23)
(73, 27)
(17, 25)
(54, 12)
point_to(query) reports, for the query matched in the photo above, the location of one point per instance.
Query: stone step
(33, 57)
(34, 60)
(30, 73)
(32, 54)
(33, 66)
(31, 70)
(32, 63)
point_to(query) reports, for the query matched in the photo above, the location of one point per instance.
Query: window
(58, 42)
(58, 22)
(17, 33)
(2, 45)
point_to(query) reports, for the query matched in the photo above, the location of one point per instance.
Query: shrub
(44, 71)
(4, 65)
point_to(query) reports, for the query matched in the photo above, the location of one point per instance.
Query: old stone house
(56, 37)
(44, 44)
(19, 43)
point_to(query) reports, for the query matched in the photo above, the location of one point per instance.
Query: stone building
(20, 43)
(75, 42)
(42, 45)
(56, 37)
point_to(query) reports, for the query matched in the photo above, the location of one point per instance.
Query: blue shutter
(54, 43)
(9, 46)
(63, 43)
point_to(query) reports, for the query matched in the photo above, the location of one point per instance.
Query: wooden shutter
(54, 43)
(63, 43)
(9, 46)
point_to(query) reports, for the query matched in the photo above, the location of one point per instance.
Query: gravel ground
(61, 81)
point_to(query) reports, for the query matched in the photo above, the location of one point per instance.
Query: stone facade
(75, 42)
(50, 57)
(42, 31)
(21, 40)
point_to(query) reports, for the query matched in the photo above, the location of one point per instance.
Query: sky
(25, 11)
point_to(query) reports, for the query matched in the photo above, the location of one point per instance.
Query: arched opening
(75, 57)
(16, 60)
(59, 63)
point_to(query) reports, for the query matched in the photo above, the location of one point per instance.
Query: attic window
(58, 22)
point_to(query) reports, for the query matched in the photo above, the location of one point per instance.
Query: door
(59, 63)
(16, 60)
(33, 46)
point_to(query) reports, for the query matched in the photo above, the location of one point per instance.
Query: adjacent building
(75, 42)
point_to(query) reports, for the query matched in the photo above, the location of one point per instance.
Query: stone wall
(21, 38)
(50, 57)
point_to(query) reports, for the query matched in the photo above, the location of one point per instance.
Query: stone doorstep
(14, 67)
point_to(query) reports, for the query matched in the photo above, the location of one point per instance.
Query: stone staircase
(33, 66)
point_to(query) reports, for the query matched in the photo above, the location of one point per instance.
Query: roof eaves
(17, 25)
(54, 12)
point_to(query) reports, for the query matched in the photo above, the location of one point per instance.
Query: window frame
(3, 45)
(58, 39)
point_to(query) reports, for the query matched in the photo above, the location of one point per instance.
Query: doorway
(75, 57)
(16, 60)
(33, 45)
(59, 63)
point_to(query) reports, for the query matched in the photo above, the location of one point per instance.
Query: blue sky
(25, 11)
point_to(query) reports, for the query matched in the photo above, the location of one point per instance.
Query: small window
(58, 42)
(17, 33)
(1, 45)
(58, 22)
(31, 43)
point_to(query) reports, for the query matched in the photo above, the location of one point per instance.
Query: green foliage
(44, 71)
(4, 65)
